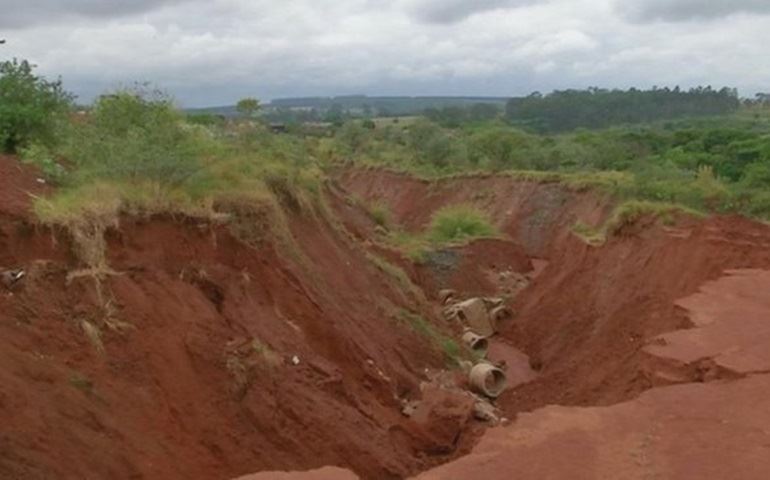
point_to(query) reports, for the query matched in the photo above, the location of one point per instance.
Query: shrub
(134, 136)
(459, 223)
(30, 107)
(40, 156)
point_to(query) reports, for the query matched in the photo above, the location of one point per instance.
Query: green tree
(30, 106)
(247, 106)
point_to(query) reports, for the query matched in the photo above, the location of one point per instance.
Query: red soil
(587, 316)
(17, 185)
(198, 381)
(715, 430)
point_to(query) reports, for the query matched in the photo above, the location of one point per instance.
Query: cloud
(685, 10)
(209, 52)
(453, 11)
(20, 14)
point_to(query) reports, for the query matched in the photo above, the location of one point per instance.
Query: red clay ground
(591, 318)
(718, 430)
(192, 375)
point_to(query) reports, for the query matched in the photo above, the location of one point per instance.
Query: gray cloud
(20, 14)
(452, 11)
(684, 10)
(216, 51)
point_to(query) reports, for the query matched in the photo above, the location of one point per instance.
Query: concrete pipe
(487, 380)
(476, 342)
(447, 295)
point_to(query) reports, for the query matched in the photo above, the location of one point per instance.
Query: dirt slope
(182, 365)
(696, 430)
(587, 316)
(206, 358)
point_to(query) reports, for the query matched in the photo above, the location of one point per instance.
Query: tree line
(565, 110)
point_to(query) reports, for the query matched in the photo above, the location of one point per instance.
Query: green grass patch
(630, 212)
(459, 223)
(590, 235)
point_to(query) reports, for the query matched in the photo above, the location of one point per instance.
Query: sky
(213, 52)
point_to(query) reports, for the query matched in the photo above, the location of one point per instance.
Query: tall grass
(458, 223)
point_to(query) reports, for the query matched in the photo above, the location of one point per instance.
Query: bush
(459, 223)
(133, 136)
(40, 156)
(30, 107)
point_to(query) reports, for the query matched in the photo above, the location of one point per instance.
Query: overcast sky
(212, 52)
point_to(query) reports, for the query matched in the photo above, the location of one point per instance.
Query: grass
(452, 225)
(398, 274)
(453, 353)
(590, 235)
(380, 213)
(459, 223)
(628, 213)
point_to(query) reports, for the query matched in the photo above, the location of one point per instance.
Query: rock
(9, 278)
(485, 411)
(409, 407)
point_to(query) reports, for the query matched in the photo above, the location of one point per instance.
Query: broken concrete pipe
(476, 342)
(447, 295)
(487, 380)
(473, 313)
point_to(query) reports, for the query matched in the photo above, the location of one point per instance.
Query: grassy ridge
(714, 164)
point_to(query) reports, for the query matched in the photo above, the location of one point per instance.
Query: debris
(485, 411)
(295, 360)
(466, 366)
(473, 313)
(492, 302)
(500, 314)
(10, 277)
(409, 407)
(447, 295)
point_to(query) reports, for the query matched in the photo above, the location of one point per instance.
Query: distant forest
(565, 110)
(559, 111)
